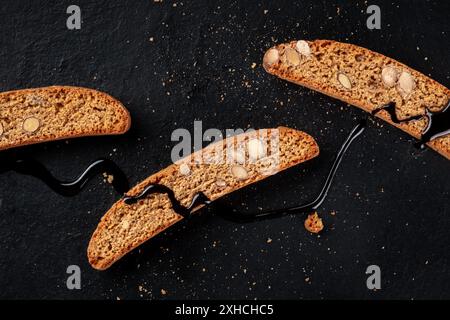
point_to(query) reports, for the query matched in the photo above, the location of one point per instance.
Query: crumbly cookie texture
(362, 78)
(215, 171)
(51, 113)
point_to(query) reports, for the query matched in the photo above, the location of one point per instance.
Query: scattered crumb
(253, 65)
(110, 178)
(307, 279)
(117, 298)
(266, 11)
(333, 213)
(269, 240)
(313, 223)
(151, 39)
(163, 292)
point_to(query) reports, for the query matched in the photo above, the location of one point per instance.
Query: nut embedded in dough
(31, 124)
(271, 57)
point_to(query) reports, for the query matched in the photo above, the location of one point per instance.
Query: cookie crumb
(110, 178)
(269, 240)
(313, 223)
(253, 65)
(163, 292)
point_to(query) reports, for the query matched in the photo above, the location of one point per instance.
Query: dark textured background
(391, 200)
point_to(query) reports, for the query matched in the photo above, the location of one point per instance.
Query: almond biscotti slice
(368, 80)
(52, 113)
(218, 169)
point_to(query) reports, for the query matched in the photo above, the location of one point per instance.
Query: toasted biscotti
(52, 113)
(218, 169)
(363, 78)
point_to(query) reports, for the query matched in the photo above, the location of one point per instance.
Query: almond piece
(271, 57)
(221, 183)
(303, 48)
(31, 124)
(406, 84)
(1, 129)
(291, 57)
(239, 172)
(344, 80)
(238, 156)
(256, 149)
(389, 76)
(184, 169)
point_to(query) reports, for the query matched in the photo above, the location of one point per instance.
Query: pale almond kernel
(184, 169)
(239, 172)
(271, 57)
(221, 183)
(303, 48)
(389, 76)
(344, 80)
(291, 57)
(125, 224)
(238, 156)
(1, 129)
(406, 84)
(256, 149)
(31, 124)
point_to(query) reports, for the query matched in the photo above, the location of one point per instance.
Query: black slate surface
(391, 200)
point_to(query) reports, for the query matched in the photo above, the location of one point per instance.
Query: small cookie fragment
(313, 223)
(31, 124)
(344, 80)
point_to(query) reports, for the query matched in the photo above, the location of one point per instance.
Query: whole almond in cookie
(406, 84)
(291, 57)
(344, 80)
(184, 169)
(256, 149)
(271, 57)
(239, 172)
(389, 76)
(238, 156)
(303, 48)
(31, 124)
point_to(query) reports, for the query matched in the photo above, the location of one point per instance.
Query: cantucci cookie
(52, 113)
(167, 196)
(371, 81)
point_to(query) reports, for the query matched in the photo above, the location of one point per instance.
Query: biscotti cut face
(51, 113)
(218, 169)
(365, 79)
